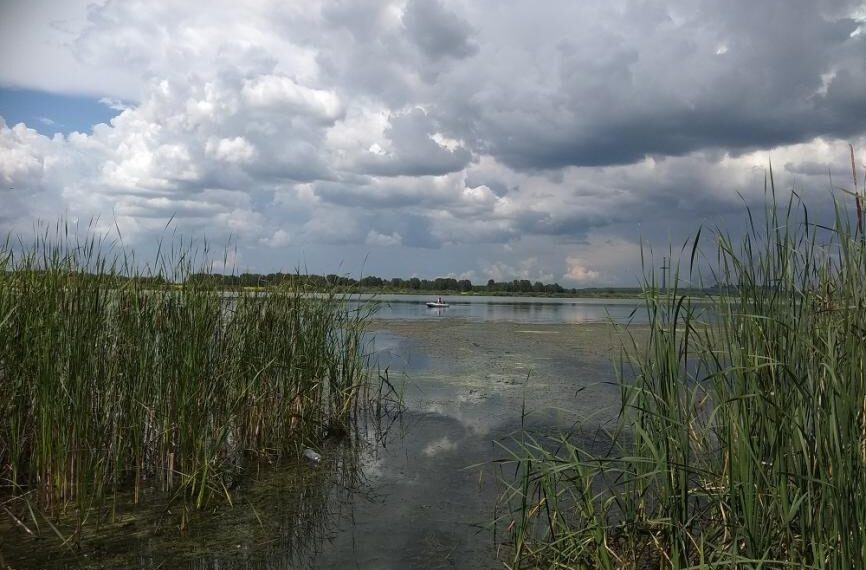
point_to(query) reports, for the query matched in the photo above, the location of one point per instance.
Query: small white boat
(437, 304)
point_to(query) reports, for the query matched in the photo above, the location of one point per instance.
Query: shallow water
(426, 498)
(468, 386)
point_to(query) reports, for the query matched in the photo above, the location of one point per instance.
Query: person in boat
(439, 300)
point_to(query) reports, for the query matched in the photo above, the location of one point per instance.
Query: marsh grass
(741, 440)
(121, 377)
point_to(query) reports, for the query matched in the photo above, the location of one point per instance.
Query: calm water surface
(509, 309)
(467, 386)
(472, 376)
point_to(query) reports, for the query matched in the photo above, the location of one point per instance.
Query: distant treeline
(370, 283)
(378, 283)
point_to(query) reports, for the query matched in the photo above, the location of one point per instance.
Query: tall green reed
(115, 378)
(742, 434)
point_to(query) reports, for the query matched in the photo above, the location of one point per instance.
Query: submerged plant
(741, 440)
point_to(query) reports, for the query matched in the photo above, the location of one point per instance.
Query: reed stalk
(118, 377)
(741, 440)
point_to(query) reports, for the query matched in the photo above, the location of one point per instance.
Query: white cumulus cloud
(578, 272)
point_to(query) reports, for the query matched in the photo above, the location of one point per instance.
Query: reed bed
(741, 440)
(117, 379)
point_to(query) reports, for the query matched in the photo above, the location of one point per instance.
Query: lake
(480, 308)
(473, 376)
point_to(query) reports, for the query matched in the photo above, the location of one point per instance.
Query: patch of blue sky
(51, 113)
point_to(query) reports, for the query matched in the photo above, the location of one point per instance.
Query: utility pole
(664, 273)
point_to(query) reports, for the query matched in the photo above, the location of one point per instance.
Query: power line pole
(664, 273)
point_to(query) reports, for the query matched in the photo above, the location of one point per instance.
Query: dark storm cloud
(545, 223)
(417, 232)
(437, 31)
(367, 196)
(588, 84)
(362, 52)
(667, 80)
(415, 153)
(361, 18)
(839, 172)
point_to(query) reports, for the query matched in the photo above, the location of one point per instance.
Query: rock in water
(312, 456)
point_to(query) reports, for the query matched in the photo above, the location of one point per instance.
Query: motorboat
(437, 304)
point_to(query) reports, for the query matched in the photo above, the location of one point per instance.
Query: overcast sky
(477, 139)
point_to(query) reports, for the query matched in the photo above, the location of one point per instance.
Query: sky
(483, 139)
